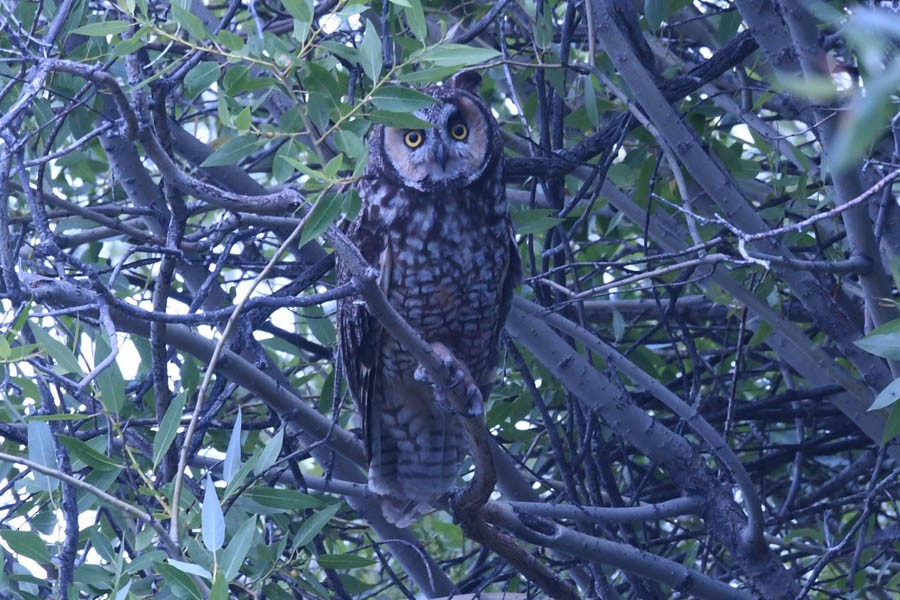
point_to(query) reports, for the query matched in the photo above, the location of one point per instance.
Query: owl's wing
(511, 279)
(360, 333)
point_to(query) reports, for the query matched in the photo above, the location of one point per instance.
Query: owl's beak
(440, 155)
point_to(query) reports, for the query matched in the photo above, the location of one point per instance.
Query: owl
(434, 221)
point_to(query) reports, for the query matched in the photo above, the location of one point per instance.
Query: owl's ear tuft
(469, 81)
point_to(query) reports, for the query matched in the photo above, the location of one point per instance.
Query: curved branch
(690, 415)
(607, 398)
(316, 430)
(616, 514)
(677, 576)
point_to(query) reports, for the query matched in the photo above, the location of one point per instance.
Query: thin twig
(98, 493)
(211, 369)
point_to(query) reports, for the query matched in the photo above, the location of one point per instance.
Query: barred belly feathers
(434, 222)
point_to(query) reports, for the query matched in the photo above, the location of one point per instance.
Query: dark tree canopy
(696, 391)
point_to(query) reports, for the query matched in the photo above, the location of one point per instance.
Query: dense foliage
(687, 406)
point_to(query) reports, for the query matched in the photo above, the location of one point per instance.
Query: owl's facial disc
(452, 154)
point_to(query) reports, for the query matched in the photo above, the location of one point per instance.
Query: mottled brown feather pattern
(435, 221)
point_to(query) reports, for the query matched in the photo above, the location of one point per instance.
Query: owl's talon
(458, 377)
(421, 375)
(474, 401)
(443, 403)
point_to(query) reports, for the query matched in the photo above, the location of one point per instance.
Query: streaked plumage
(434, 221)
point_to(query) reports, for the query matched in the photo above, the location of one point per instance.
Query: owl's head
(463, 142)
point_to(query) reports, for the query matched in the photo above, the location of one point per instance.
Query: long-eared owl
(434, 221)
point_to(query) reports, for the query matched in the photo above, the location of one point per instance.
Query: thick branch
(605, 397)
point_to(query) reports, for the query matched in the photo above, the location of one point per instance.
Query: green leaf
(122, 593)
(868, 116)
(188, 21)
(103, 28)
(892, 426)
(729, 24)
(415, 18)
(618, 325)
(326, 393)
(243, 120)
(232, 151)
(895, 268)
(109, 380)
(590, 100)
(320, 325)
(101, 479)
(237, 549)
(302, 10)
(816, 88)
(398, 99)
(304, 168)
(233, 455)
(237, 479)
(543, 30)
(613, 223)
(270, 453)
(887, 396)
(41, 451)
(190, 376)
(146, 560)
(88, 455)
(457, 55)
(101, 543)
(230, 41)
(325, 213)
(20, 321)
(190, 568)
(333, 167)
(883, 341)
(282, 169)
(18, 353)
(168, 428)
(344, 561)
(5, 583)
(235, 76)
(281, 498)
(223, 111)
(370, 52)
(432, 75)
(219, 589)
(340, 50)
(200, 78)
(180, 582)
(56, 350)
(27, 544)
(398, 120)
(349, 143)
(212, 518)
(534, 220)
(96, 576)
(313, 525)
(763, 331)
(132, 44)
(654, 11)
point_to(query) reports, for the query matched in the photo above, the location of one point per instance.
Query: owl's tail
(416, 450)
(403, 512)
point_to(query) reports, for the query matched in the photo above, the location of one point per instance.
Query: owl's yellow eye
(413, 138)
(459, 131)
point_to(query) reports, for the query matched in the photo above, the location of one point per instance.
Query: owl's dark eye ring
(459, 131)
(413, 138)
